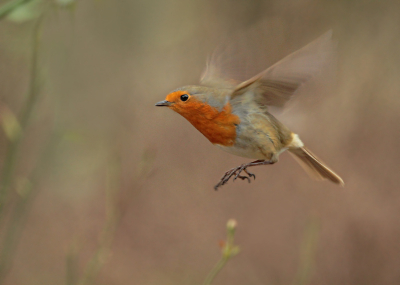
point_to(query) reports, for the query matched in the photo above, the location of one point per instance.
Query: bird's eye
(184, 97)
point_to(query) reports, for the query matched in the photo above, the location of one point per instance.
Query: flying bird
(235, 116)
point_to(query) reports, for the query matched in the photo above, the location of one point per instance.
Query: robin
(234, 116)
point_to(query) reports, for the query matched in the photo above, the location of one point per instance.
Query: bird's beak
(163, 103)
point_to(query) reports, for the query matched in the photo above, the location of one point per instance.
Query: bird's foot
(236, 173)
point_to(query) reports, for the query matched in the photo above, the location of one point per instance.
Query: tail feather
(313, 166)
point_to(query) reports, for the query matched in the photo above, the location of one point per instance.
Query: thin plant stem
(18, 215)
(229, 250)
(307, 253)
(72, 265)
(10, 161)
(116, 205)
(12, 233)
(113, 216)
(214, 272)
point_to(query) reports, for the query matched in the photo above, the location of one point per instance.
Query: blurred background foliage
(100, 187)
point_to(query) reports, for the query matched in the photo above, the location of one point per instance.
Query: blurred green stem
(307, 253)
(10, 160)
(229, 250)
(26, 196)
(12, 235)
(113, 216)
(116, 205)
(10, 6)
(217, 268)
(72, 265)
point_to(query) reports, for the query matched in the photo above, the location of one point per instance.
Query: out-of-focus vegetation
(98, 186)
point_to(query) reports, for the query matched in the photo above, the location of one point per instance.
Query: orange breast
(219, 127)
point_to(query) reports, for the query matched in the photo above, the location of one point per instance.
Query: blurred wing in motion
(277, 84)
(219, 70)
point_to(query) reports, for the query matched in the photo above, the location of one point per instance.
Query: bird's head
(185, 100)
(207, 109)
(176, 99)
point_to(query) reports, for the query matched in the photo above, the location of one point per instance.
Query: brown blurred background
(115, 176)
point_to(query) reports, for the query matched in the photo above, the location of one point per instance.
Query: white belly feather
(254, 154)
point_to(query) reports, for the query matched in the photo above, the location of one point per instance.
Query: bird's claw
(250, 174)
(235, 172)
(241, 177)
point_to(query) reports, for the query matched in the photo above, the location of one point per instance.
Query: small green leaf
(29, 11)
(10, 124)
(65, 3)
(73, 136)
(23, 186)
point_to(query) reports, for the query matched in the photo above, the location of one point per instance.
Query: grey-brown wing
(219, 71)
(277, 84)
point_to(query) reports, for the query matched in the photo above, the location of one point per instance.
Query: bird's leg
(237, 170)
